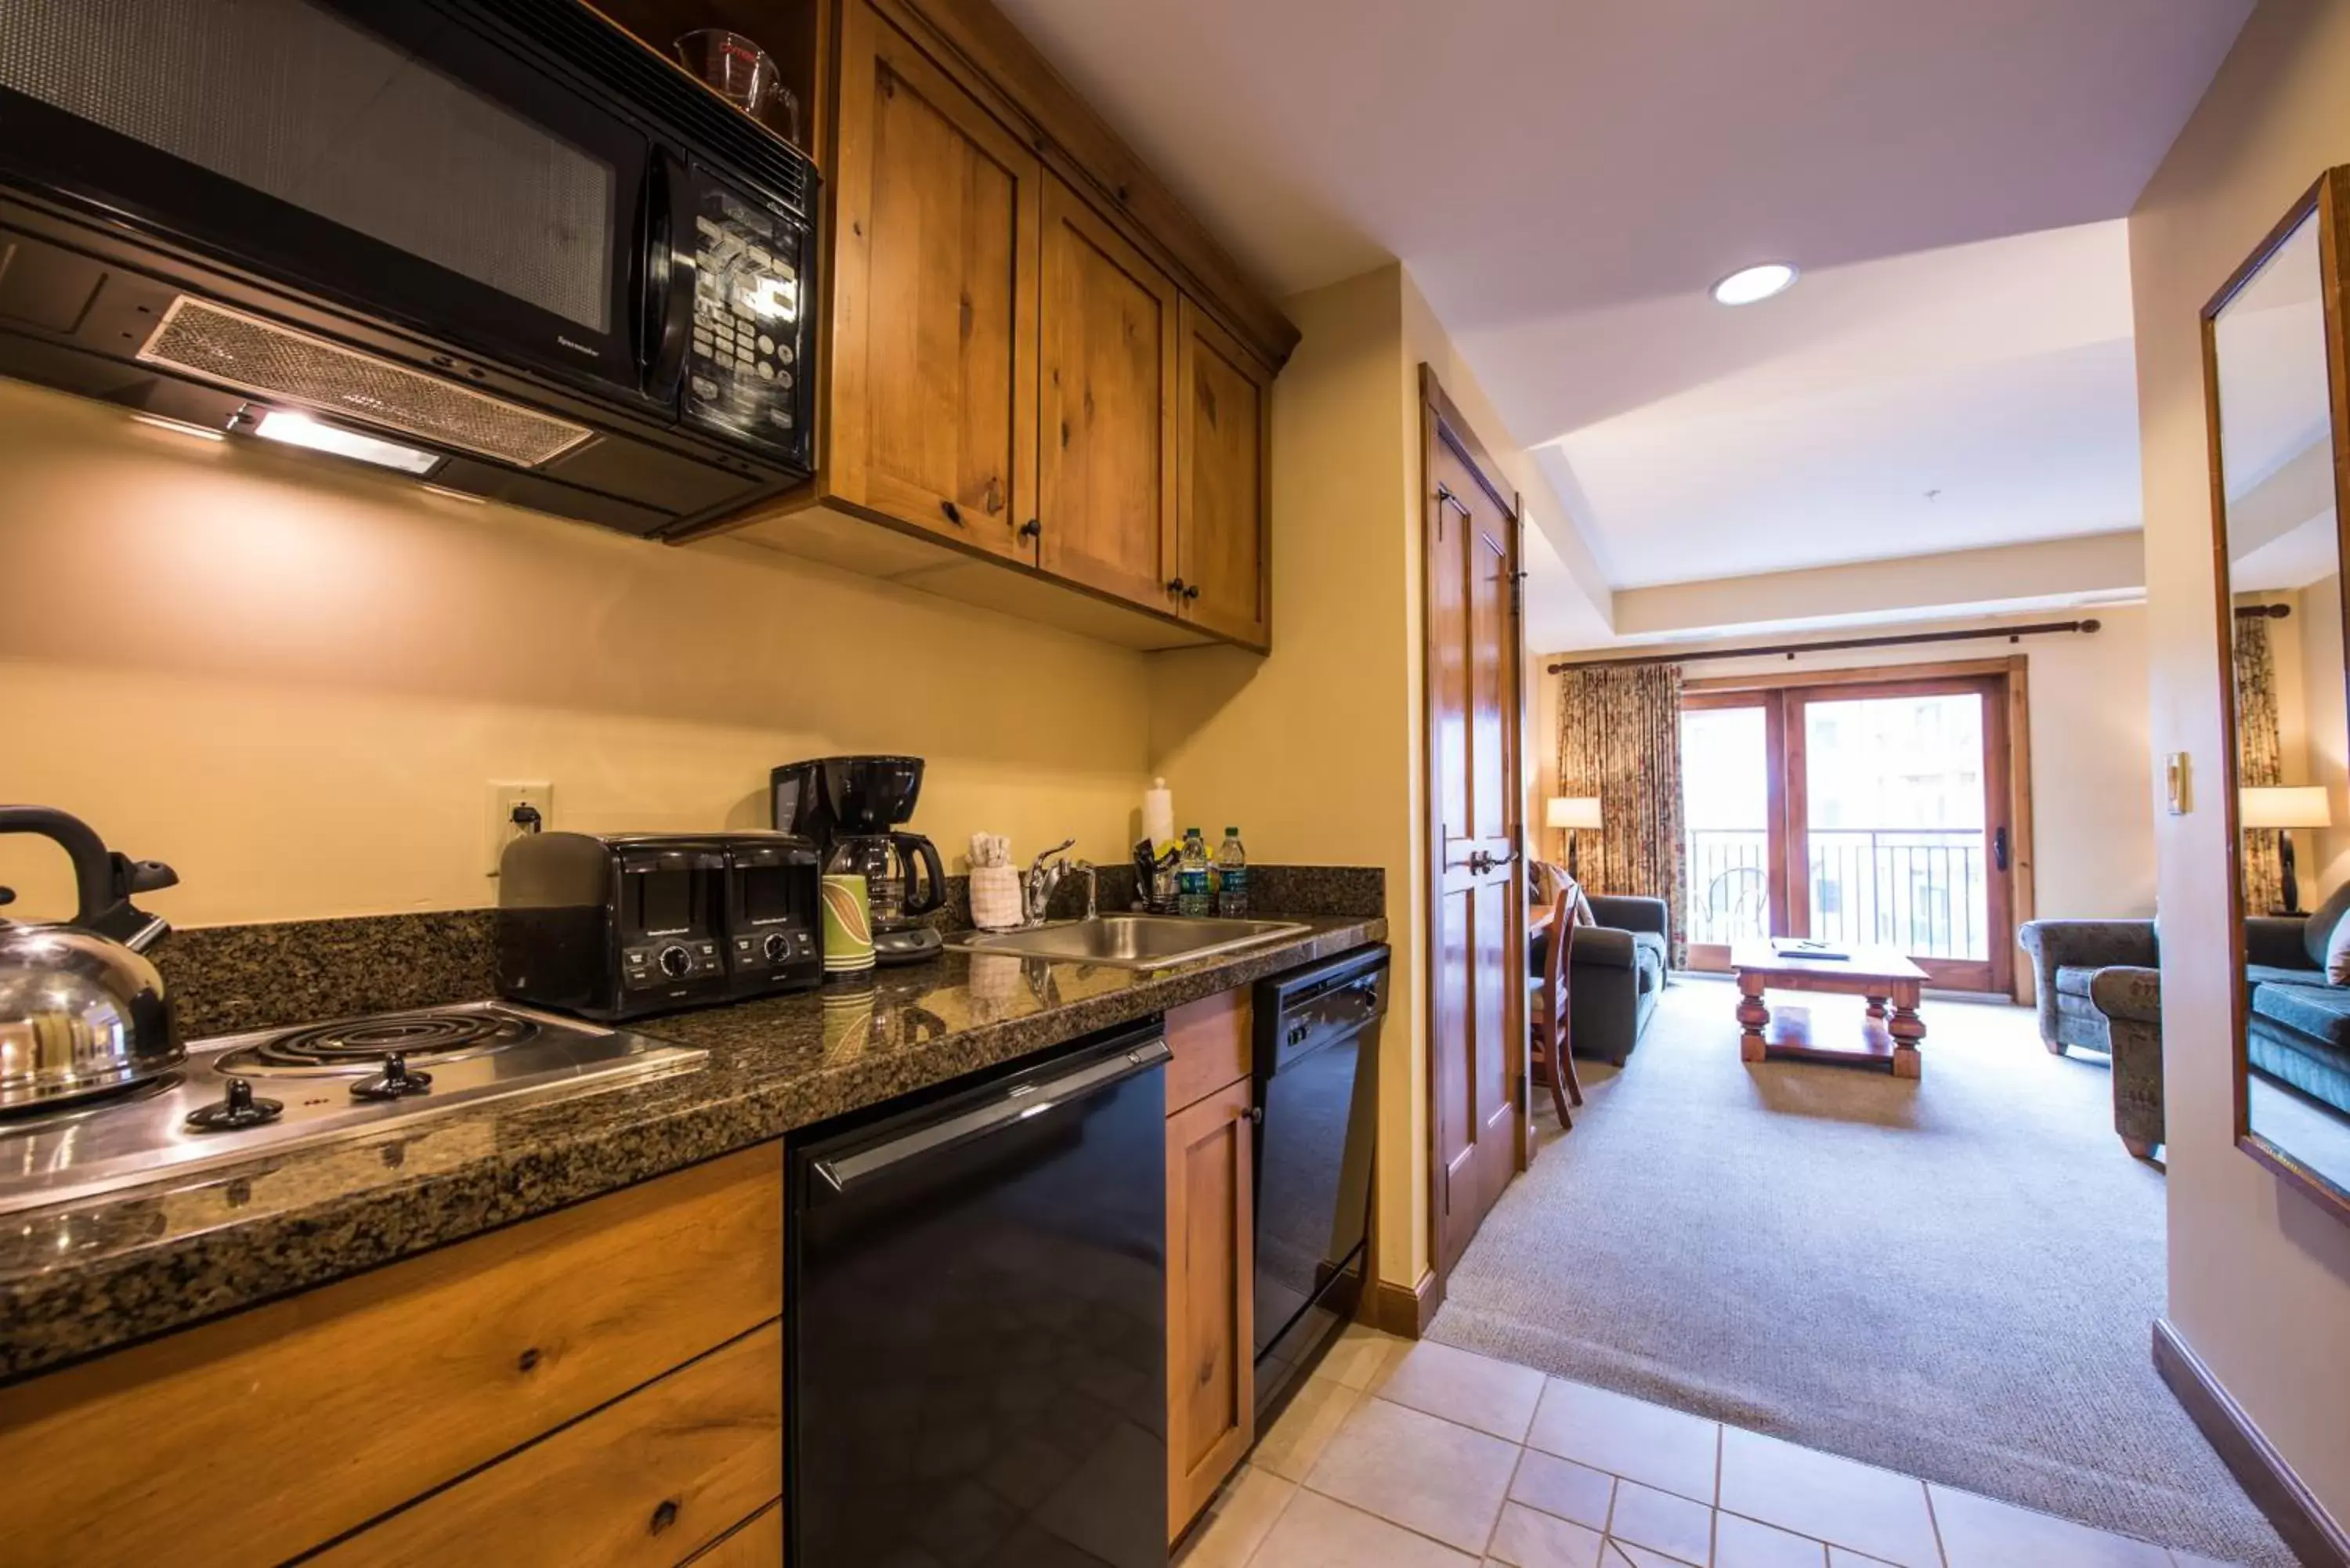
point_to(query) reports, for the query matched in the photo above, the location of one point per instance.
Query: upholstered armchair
(1618, 974)
(2130, 1001)
(2065, 957)
(2099, 988)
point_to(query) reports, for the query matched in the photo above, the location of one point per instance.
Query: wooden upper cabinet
(1224, 512)
(1108, 477)
(932, 419)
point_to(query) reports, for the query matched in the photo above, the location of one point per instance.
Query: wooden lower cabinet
(757, 1544)
(642, 1483)
(576, 1371)
(1210, 1279)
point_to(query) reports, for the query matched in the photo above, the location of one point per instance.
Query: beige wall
(2260, 1277)
(1324, 737)
(1318, 738)
(2093, 796)
(292, 681)
(1951, 583)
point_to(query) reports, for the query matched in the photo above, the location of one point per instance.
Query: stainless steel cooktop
(245, 1094)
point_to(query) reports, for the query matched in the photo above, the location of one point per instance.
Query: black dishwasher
(977, 1306)
(1317, 1091)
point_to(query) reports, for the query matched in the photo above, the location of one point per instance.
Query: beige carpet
(1953, 1277)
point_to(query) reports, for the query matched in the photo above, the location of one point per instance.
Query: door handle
(1999, 847)
(1019, 1105)
(669, 274)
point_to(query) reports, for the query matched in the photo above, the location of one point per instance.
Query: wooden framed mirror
(2274, 365)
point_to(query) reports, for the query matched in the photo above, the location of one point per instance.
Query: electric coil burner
(419, 1038)
(316, 1084)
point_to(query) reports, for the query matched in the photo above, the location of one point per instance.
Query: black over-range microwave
(498, 244)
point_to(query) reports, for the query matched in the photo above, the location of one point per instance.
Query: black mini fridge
(977, 1309)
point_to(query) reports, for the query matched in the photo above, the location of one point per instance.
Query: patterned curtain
(1619, 738)
(2258, 749)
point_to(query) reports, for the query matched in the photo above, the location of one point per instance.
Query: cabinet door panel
(934, 290)
(1225, 405)
(1108, 475)
(641, 1483)
(1210, 1299)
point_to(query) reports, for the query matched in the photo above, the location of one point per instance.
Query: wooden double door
(1476, 914)
(1866, 809)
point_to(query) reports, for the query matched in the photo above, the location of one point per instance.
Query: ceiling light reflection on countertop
(1748, 284)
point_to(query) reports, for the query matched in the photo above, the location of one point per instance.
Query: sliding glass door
(1869, 813)
(1733, 821)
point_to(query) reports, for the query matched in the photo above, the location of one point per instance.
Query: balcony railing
(1920, 890)
(1729, 884)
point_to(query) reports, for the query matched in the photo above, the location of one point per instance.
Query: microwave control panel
(744, 368)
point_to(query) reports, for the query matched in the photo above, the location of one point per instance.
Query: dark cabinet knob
(1190, 590)
(663, 1516)
(1032, 529)
(954, 512)
(1175, 586)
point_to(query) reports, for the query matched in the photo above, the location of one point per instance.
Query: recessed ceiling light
(301, 430)
(1748, 284)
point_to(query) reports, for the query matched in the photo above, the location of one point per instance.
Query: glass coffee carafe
(903, 877)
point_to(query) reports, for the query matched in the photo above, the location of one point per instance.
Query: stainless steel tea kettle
(81, 1012)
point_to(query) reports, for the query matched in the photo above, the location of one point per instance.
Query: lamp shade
(1572, 811)
(2284, 805)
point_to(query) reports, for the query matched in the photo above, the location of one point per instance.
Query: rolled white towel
(995, 898)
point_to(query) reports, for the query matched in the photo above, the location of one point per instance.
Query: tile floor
(1403, 1455)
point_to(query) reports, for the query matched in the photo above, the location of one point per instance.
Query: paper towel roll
(1159, 815)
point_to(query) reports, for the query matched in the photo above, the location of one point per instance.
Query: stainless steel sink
(1130, 942)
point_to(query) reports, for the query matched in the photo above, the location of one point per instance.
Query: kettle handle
(913, 846)
(103, 881)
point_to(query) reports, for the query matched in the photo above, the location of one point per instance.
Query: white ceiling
(1565, 180)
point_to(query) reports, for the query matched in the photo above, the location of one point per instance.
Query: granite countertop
(83, 1277)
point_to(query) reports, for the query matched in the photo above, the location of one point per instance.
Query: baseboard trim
(2313, 1533)
(1399, 1311)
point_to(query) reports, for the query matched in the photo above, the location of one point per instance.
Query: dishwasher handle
(1016, 1104)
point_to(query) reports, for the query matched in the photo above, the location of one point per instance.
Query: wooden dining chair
(1553, 1019)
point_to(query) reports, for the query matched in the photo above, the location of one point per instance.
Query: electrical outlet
(506, 796)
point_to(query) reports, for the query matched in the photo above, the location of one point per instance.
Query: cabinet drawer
(758, 1544)
(642, 1483)
(267, 1433)
(1210, 1039)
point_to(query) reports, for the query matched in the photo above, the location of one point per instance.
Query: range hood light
(301, 430)
(179, 427)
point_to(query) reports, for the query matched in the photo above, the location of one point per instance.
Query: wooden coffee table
(1884, 977)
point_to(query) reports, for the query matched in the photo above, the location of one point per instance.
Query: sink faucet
(1043, 879)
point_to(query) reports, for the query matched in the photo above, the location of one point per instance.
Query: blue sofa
(2299, 1031)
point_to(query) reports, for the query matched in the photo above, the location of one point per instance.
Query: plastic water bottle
(1232, 876)
(1191, 876)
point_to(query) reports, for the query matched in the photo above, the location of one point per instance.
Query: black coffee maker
(852, 808)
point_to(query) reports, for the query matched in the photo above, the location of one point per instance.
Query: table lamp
(1568, 812)
(2283, 807)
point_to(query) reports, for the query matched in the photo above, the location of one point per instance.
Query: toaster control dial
(777, 947)
(675, 962)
